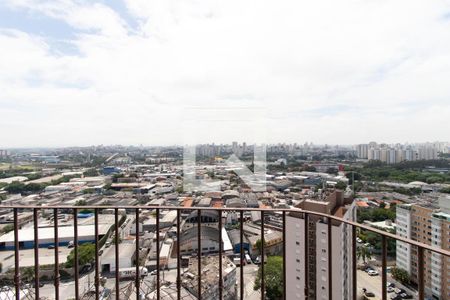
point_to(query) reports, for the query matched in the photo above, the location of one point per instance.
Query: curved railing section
(306, 215)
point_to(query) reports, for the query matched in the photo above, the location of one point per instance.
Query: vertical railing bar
(116, 251)
(55, 215)
(330, 259)
(220, 256)
(383, 268)
(158, 267)
(75, 251)
(306, 244)
(178, 256)
(421, 273)
(138, 265)
(354, 264)
(36, 252)
(263, 283)
(241, 233)
(16, 256)
(284, 257)
(97, 271)
(199, 253)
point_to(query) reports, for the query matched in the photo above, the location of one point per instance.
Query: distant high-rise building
(3, 153)
(362, 151)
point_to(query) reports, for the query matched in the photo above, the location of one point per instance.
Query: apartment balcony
(92, 285)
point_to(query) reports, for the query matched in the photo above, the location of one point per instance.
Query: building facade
(430, 225)
(318, 249)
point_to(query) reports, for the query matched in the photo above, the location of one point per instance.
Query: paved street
(250, 272)
(373, 284)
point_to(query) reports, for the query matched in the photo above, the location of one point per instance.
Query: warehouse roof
(27, 234)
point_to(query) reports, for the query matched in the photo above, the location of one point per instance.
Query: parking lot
(46, 257)
(373, 284)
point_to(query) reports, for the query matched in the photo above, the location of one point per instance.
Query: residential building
(334, 204)
(430, 225)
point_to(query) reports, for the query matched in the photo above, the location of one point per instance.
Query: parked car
(86, 268)
(372, 273)
(390, 284)
(399, 291)
(406, 296)
(51, 247)
(390, 289)
(368, 269)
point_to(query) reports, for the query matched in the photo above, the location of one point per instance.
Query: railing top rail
(288, 210)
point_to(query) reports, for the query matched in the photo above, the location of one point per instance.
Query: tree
(258, 245)
(332, 170)
(400, 275)
(7, 228)
(341, 185)
(86, 255)
(27, 274)
(34, 187)
(15, 187)
(91, 173)
(273, 278)
(364, 253)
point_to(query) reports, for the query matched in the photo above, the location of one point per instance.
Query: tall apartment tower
(317, 253)
(429, 225)
(362, 151)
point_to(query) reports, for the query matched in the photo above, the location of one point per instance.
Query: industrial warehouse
(86, 234)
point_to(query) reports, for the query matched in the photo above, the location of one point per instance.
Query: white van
(248, 259)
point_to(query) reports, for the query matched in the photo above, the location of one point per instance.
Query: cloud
(327, 71)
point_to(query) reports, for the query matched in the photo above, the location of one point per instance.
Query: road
(67, 289)
(373, 284)
(250, 272)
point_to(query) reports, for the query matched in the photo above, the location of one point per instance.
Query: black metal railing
(306, 217)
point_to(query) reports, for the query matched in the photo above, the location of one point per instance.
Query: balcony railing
(18, 284)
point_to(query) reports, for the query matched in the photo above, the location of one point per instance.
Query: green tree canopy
(86, 254)
(364, 253)
(273, 278)
(400, 275)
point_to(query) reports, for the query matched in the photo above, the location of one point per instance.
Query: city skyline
(129, 72)
(230, 143)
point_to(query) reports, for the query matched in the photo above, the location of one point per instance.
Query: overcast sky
(155, 72)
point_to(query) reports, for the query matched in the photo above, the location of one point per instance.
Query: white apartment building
(362, 151)
(403, 221)
(392, 154)
(429, 225)
(318, 250)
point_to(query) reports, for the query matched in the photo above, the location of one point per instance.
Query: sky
(164, 72)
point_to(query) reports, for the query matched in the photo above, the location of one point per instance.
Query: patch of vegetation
(86, 255)
(406, 171)
(376, 214)
(374, 239)
(7, 228)
(400, 275)
(273, 278)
